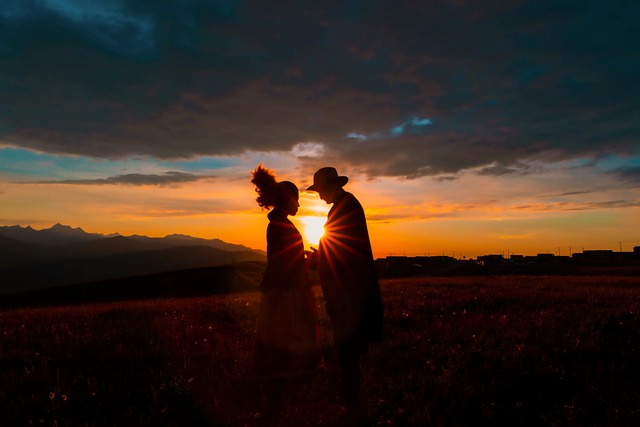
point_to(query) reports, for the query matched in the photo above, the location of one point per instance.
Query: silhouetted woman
(288, 342)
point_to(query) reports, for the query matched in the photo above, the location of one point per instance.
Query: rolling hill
(229, 278)
(62, 255)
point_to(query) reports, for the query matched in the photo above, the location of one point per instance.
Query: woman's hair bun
(266, 186)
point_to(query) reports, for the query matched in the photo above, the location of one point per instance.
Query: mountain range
(62, 255)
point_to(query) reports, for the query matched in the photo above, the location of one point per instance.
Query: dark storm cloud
(579, 206)
(611, 204)
(629, 174)
(391, 88)
(446, 178)
(566, 194)
(574, 193)
(167, 179)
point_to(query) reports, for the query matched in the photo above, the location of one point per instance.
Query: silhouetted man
(348, 279)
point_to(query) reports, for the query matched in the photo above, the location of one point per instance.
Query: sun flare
(312, 229)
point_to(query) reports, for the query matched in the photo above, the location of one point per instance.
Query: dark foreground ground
(472, 351)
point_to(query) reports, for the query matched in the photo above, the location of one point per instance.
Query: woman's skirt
(288, 340)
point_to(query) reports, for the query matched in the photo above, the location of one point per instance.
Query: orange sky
(469, 216)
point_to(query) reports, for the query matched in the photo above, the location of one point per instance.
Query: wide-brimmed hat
(326, 177)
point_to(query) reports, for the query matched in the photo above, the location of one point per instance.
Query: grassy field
(473, 351)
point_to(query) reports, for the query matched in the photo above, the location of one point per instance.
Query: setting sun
(312, 229)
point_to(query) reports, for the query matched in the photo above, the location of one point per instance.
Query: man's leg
(350, 373)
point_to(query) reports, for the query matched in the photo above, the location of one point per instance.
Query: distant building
(490, 260)
(547, 263)
(395, 266)
(597, 255)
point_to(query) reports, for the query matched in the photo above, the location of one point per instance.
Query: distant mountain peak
(16, 227)
(62, 227)
(63, 235)
(178, 236)
(67, 231)
(57, 235)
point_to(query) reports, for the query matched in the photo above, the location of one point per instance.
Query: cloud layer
(393, 89)
(171, 178)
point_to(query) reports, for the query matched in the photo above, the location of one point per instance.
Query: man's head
(327, 183)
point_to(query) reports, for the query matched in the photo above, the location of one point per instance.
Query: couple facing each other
(288, 342)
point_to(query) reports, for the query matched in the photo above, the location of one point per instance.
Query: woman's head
(287, 198)
(271, 193)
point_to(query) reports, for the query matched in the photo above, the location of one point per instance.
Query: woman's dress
(288, 341)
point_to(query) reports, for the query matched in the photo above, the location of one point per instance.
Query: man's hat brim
(341, 181)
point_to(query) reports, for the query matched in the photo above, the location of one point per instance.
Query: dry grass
(458, 351)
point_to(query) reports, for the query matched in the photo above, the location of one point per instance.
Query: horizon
(619, 246)
(463, 128)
